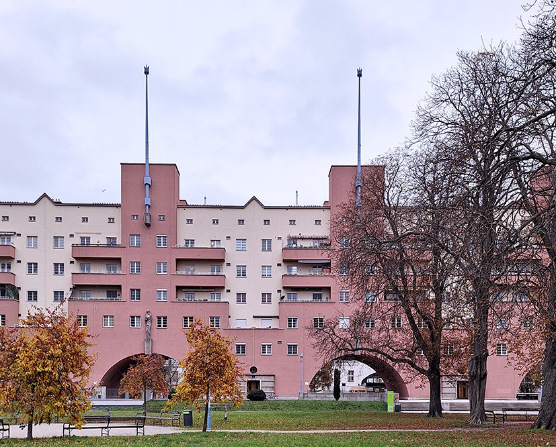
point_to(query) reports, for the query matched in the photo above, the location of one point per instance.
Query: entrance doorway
(463, 389)
(253, 385)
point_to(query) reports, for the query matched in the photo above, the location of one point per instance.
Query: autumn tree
(44, 368)
(147, 373)
(210, 371)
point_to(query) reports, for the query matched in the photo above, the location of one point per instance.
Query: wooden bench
(172, 416)
(4, 428)
(516, 411)
(106, 423)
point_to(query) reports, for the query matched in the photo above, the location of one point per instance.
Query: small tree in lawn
(336, 384)
(44, 368)
(146, 374)
(210, 370)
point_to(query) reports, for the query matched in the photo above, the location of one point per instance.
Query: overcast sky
(246, 97)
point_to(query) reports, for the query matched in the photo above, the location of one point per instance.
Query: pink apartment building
(262, 274)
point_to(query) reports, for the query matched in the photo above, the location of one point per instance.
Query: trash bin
(397, 408)
(187, 418)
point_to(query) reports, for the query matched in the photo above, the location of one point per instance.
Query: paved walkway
(55, 430)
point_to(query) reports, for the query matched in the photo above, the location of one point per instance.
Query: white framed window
(241, 271)
(5, 267)
(58, 296)
(421, 323)
(292, 322)
(162, 322)
(266, 271)
(82, 320)
(241, 244)
(32, 219)
(343, 296)
(134, 240)
(370, 296)
(85, 267)
(134, 217)
(396, 322)
(189, 296)
(448, 349)
(215, 243)
(241, 222)
(215, 296)
(318, 222)
(241, 323)
(501, 349)
(370, 323)
(370, 269)
(112, 295)
(135, 294)
(108, 321)
(187, 322)
(85, 294)
(291, 296)
(318, 322)
(59, 268)
(266, 244)
(5, 240)
(161, 268)
(215, 221)
(32, 295)
(58, 219)
(266, 298)
(266, 222)
(343, 270)
(266, 348)
(111, 220)
(391, 296)
(32, 268)
(292, 221)
(161, 240)
(343, 323)
(135, 267)
(351, 375)
(189, 221)
(344, 242)
(240, 349)
(189, 243)
(317, 296)
(291, 269)
(134, 321)
(84, 219)
(85, 240)
(32, 242)
(215, 269)
(266, 323)
(110, 240)
(241, 298)
(3, 320)
(112, 268)
(161, 294)
(292, 349)
(214, 322)
(502, 323)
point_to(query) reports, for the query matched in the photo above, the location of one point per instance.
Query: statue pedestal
(148, 346)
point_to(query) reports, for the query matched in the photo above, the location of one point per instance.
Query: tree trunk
(207, 408)
(30, 427)
(547, 412)
(144, 400)
(435, 401)
(477, 369)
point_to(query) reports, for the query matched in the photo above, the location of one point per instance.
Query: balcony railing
(325, 299)
(94, 298)
(199, 300)
(181, 272)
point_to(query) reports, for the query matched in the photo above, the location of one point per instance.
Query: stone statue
(148, 324)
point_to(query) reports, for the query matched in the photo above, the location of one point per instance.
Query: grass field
(308, 415)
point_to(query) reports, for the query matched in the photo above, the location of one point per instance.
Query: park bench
(106, 423)
(517, 411)
(172, 416)
(4, 428)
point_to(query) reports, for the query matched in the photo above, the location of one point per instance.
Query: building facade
(262, 274)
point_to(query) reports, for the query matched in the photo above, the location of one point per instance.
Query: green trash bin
(187, 418)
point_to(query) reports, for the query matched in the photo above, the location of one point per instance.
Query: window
(528, 323)
(82, 320)
(215, 296)
(85, 294)
(58, 268)
(32, 219)
(161, 217)
(241, 323)
(343, 270)
(241, 244)
(241, 222)
(189, 221)
(134, 240)
(266, 298)
(85, 267)
(189, 296)
(501, 349)
(32, 268)
(84, 219)
(3, 320)
(241, 271)
(370, 323)
(391, 296)
(111, 220)
(448, 349)
(161, 294)
(134, 217)
(5, 218)
(135, 321)
(112, 295)
(187, 322)
(317, 222)
(5, 240)
(266, 348)
(419, 351)
(292, 322)
(351, 375)
(318, 322)
(344, 242)
(292, 348)
(241, 298)
(291, 296)
(111, 241)
(161, 268)
(111, 268)
(215, 269)
(502, 323)
(292, 221)
(240, 349)
(266, 244)
(135, 294)
(214, 322)
(396, 322)
(421, 323)
(32, 295)
(189, 269)
(215, 221)
(344, 296)
(317, 296)
(343, 323)
(266, 323)
(32, 242)
(266, 222)
(57, 219)
(108, 321)
(370, 269)
(190, 243)
(5, 267)
(161, 240)
(161, 322)
(266, 271)
(135, 267)
(215, 243)
(85, 240)
(370, 297)
(291, 270)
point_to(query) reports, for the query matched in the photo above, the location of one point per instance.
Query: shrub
(256, 395)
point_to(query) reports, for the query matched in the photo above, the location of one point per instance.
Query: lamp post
(301, 375)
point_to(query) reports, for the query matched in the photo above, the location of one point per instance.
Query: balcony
(94, 298)
(7, 278)
(97, 251)
(198, 280)
(199, 253)
(308, 280)
(97, 279)
(307, 254)
(7, 251)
